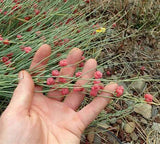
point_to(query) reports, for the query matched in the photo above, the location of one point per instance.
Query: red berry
(1, 39)
(114, 25)
(10, 55)
(93, 33)
(5, 13)
(148, 97)
(6, 42)
(27, 18)
(37, 11)
(66, 40)
(78, 74)
(75, 11)
(81, 64)
(108, 73)
(63, 62)
(82, 58)
(78, 31)
(56, 43)
(98, 75)
(60, 43)
(38, 23)
(19, 36)
(96, 26)
(143, 68)
(5, 59)
(64, 91)
(29, 29)
(7, 62)
(101, 86)
(27, 49)
(95, 87)
(119, 91)
(69, 20)
(15, 7)
(35, 5)
(50, 81)
(96, 82)
(62, 80)
(93, 93)
(55, 73)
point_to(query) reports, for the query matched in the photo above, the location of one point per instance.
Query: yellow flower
(101, 30)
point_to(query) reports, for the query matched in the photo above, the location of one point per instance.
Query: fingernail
(20, 75)
(74, 50)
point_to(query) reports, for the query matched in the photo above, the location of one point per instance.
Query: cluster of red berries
(119, 91)
(61, 42)
(55, 74)
(69, 20)
(148, 97)
(19, 37)
(7, 59)
(97, 26)
(95, 89)
(16, 6)
(27, 49)
(6, 42)
(63, 63)
(51, 81)
(97, 85)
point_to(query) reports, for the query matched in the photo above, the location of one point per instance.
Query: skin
(32, 118)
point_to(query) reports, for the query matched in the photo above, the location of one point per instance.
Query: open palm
(32, 118)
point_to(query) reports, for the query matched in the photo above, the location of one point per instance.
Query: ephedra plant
(25, 25)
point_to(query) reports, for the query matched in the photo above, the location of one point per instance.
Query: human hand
(32, 118)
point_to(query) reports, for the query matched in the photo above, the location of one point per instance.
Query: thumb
(23, 94)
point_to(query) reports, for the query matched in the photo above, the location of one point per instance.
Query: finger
(40, 60)
(39, 57)
(74, 99)
(73, 58)
(90, 112)
(23, 94)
